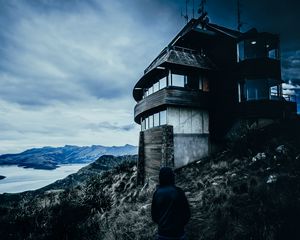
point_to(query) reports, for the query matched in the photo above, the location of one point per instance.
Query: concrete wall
(190, 147)
(188, 120)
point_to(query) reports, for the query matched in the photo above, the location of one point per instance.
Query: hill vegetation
(250, 190)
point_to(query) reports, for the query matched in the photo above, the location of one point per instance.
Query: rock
(281, 149)
(272, 178)
(236, 162)
(145, 207)
(233, 175)
(259, 157)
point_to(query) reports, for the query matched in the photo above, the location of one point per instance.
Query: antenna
(203, 14)
(186, 16)
(201, 9)
(239, 23)
(193, 8)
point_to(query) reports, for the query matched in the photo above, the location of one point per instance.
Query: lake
(20, 179)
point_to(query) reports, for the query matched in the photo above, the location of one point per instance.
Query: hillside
(250, 190)
(51, 157)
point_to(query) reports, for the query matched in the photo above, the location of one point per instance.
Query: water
(20, 179)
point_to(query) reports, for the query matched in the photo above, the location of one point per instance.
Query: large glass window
(178, 80)
(256, 89)
(163, 83)
(257, 48)
(154, 120)
(156, 87)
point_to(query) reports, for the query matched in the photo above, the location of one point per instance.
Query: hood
(166, 176)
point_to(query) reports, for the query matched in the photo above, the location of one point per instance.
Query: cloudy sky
(67, 67)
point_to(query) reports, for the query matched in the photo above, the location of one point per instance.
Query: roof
(176, 55)
(181, 56)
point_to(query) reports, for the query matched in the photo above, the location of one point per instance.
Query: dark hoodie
(170, 208)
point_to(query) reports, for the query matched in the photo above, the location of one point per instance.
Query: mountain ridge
(51, 157)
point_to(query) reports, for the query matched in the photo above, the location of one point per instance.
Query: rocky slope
(250, 190)
(51, 157)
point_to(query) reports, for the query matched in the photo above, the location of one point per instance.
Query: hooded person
(170, 209)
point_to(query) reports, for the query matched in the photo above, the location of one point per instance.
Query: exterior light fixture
(253, 42)
(159, 67)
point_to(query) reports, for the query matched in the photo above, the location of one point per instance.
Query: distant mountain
(2, 177)
(51, 157)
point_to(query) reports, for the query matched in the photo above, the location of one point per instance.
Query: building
(206, 79)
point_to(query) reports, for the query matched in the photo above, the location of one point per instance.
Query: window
(240, 51)
(256, 89)
(163, 117)
(178, 80)
(147, 122)
(203, 84)
(156, 119)
(163, 83)
(156, 87)
(272, 54)
(257, 48)
(150, 90)
(151, 121)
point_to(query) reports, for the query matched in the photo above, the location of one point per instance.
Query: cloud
(53, 55)
(105, 122)
(67, 68)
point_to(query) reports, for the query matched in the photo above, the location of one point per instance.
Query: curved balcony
(259, 68)
(171, 96)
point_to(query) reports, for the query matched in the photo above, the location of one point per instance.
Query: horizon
(64, 146)
(68, 67)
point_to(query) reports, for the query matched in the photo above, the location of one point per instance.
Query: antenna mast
(239, 24)
(186, 16)
(193, 8)
(186, 11)
(201, 10)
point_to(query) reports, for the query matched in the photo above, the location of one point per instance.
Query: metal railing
(284, 96)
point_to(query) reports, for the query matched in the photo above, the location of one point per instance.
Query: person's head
(166, 176)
